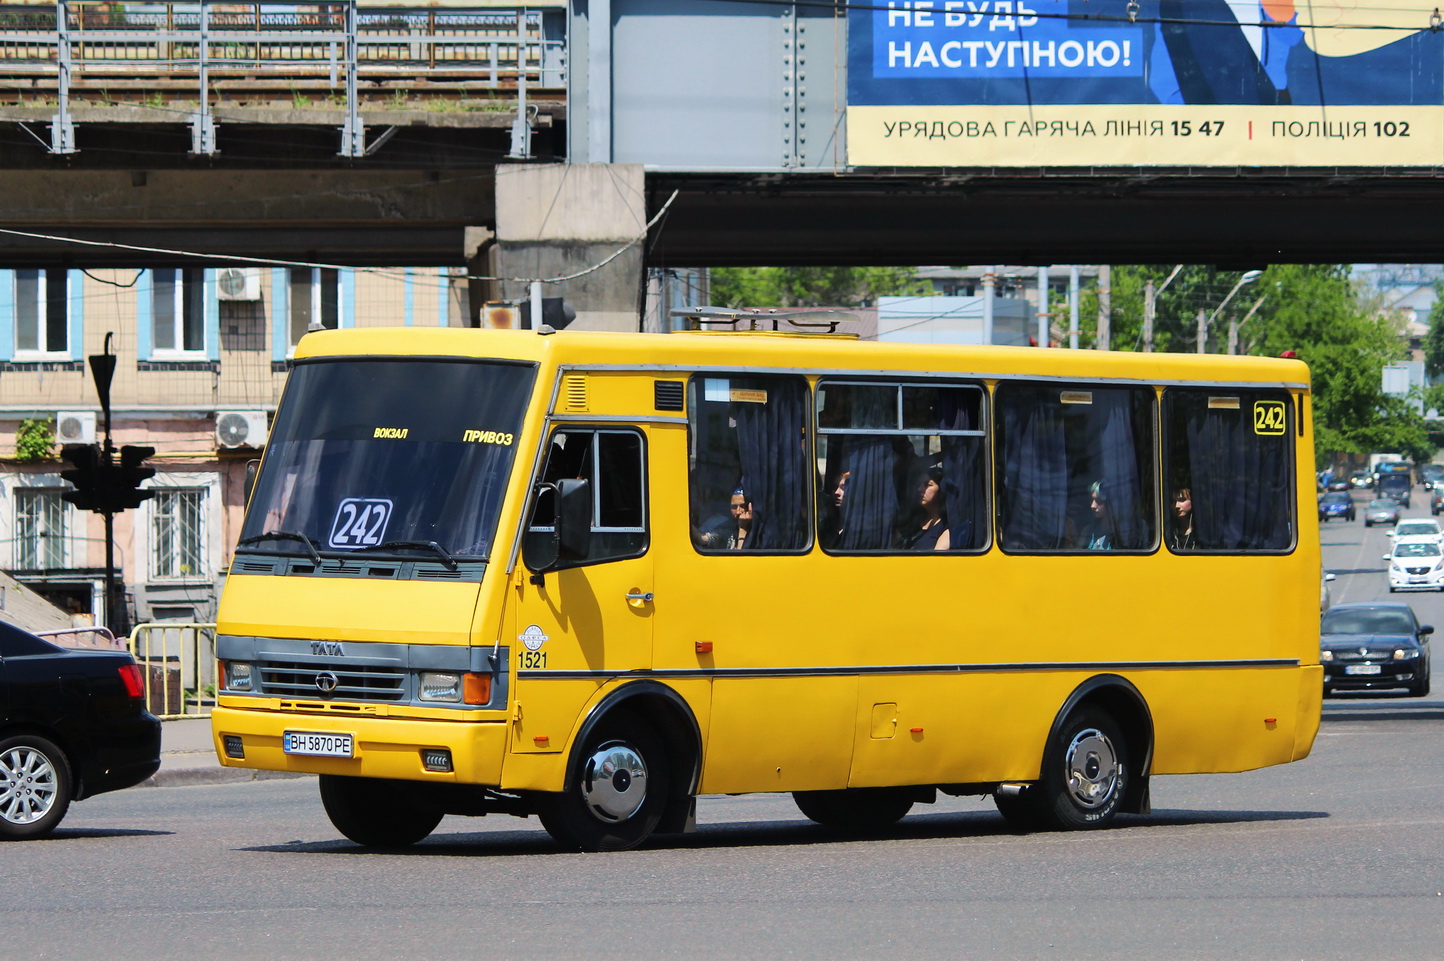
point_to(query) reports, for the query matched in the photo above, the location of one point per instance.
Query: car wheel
(1084, 777)
(618, 793)
(376, 813)
(857, 810)
(35, 787)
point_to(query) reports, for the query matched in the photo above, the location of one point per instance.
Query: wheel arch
(67, 751)
(671, 719)
(1126, 705)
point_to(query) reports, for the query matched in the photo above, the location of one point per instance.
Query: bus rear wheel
(855, 810)
(618, 792)
(376, 813)
(1083, 780)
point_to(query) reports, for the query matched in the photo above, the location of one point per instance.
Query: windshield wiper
(285, 536)
(446, 558)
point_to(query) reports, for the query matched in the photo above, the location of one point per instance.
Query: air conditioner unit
(238, 283)
(241, 428)
(75, 427)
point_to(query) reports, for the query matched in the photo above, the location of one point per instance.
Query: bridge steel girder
(1026, 217)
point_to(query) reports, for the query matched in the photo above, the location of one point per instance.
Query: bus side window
(613, 462)
(1231, 452)
(902, 467)
(1076, 468)
(747, 433)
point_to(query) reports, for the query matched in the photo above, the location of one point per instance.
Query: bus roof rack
(758, 318)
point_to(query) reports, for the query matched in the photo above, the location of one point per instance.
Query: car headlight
(1326, 655)
(440, 686)
(1406, 654)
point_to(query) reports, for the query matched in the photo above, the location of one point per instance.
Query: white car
(1416, 564)
(1417, 527)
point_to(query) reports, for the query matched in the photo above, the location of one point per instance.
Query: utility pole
(1202, 336)
(1150, 308)
(1105, 307)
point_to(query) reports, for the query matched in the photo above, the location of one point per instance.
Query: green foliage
(811, 286)
(35, 440)
(1434, 339)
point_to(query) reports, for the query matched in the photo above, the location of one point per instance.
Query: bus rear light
(476, 689)
(130, 677)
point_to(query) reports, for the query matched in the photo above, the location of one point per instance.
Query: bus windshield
(389, 454)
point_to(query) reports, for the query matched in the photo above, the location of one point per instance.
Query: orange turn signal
(542, 739)
(476, 689)
(704, 647)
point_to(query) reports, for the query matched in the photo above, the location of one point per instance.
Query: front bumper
(1391, 674)
(385, 747)
(1432, 581)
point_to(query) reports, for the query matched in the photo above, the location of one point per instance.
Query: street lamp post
(1205, 320)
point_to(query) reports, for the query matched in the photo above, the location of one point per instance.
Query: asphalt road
(1338, 856)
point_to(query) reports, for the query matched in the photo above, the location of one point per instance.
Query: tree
(811, 286)
(1434, 339)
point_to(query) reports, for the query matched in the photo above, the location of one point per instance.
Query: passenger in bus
(831, 525)
(731, 533)
(1100, 532)
(1183, 538)
(933, 533)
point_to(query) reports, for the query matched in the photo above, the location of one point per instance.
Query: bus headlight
(440, 686)
(238, 675)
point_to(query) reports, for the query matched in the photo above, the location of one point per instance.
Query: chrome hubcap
(27, 785)
(1093, 768)
(614, 782)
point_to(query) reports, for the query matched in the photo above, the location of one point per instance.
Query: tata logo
(327, 648)
(326, 682)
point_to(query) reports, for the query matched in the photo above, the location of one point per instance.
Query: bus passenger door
(588, 617)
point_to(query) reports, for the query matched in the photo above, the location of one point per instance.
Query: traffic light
(130, 474)
(103, 486)
(85, 476)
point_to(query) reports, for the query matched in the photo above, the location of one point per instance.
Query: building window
(315, 300)
(41, 314)
(178, 534)
(40, 517)
(178, 313)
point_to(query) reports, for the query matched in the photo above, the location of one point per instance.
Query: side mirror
(1330, 577)
(1426, 629)
(574, 519)
(1388, 557)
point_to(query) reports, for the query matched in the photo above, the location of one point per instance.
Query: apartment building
(202, 357)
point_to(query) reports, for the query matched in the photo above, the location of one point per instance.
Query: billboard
(1067, 83)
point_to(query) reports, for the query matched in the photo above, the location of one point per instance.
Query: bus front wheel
(618, 792)
(376, 813)
(1083, 779)
(855, 810)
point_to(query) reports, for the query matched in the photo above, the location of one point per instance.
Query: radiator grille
(362, 682)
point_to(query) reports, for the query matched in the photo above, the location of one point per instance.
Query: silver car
(1384, 511)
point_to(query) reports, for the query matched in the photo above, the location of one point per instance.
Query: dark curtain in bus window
(870, 505)
(1233, 451)
(964, 500)
(748, 433)
(1033, 492)
(1122, 478)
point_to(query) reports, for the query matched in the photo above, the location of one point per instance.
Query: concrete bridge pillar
(559, 220)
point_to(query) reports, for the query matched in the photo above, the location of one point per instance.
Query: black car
(73, 723)
(1374, 646)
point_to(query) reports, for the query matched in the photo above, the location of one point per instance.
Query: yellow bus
(594, 576)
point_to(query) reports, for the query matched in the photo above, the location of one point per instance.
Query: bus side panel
(953, 728)
(1311, 707)
(1252, 717)
(779, 734)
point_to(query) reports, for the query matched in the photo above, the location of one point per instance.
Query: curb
(191, 776)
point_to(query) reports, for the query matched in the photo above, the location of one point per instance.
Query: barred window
(40, 521)
(178, 529)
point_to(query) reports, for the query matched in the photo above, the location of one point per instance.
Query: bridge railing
(92, 40)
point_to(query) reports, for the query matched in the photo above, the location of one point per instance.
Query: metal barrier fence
(498, 46)
(178, 664)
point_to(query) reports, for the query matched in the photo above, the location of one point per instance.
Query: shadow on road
(1357, 570)
(788, 833)
(77, 834)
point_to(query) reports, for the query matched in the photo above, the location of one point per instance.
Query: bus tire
(618, 792)
(855, 810)
(1084, 775)
(376, 813)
